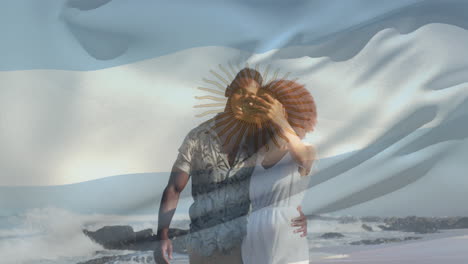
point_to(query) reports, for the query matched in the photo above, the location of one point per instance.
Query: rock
(371, 219)
(331, 235)
(113, 237)
(144, 234)
(102, 260)
(462, 223)
(129, 258)
(421, 225)
(123, 237)
(382, 241)
(446, 222)
(412, 238)
(367, 228)
(176, 232)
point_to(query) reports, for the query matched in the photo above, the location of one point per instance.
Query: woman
(287, 112)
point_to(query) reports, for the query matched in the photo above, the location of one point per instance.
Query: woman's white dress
(275, 194)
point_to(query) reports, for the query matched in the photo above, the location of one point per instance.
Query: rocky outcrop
(461, 223)
(145, 258)
(123, 237)
(113, 237)
(331, 235)
(382, 241)
(371, 219)
(367, 228)
(423, 225)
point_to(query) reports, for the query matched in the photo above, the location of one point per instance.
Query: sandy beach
(446, 247)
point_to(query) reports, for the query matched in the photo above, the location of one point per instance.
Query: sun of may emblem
(237, 118)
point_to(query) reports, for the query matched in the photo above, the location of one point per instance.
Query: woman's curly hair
(299, 104)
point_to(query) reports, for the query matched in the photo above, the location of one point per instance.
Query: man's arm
(177, 182)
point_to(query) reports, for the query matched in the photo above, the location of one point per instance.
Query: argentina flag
(200, 131)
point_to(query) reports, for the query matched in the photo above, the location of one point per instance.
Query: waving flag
(97, 96)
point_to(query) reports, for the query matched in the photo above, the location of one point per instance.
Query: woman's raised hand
(271, 109)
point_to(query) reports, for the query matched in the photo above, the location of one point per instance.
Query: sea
(55, 236)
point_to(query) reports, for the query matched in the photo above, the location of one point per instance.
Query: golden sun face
(239, 120)
(241, 102)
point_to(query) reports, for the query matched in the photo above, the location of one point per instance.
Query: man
(220, 171)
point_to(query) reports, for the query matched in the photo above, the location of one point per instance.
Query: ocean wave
(48, 234)
(55, 235)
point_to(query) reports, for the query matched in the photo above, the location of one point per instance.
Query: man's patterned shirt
(220, 192)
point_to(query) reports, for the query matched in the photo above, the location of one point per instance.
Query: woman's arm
(303, 154)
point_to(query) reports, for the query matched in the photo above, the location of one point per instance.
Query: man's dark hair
(246, 73)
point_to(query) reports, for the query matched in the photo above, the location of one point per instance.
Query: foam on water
(54, 235)
(45, 235)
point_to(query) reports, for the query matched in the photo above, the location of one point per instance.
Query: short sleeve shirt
(220, 192)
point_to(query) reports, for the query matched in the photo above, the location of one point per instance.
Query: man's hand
(301, 222)
(163, 252)
(177, 181)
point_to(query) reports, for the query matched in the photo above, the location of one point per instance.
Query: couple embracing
(249, 170)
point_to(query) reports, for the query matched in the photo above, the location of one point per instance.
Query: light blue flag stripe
(90, 35)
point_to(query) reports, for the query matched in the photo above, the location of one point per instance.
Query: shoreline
(447, 245)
